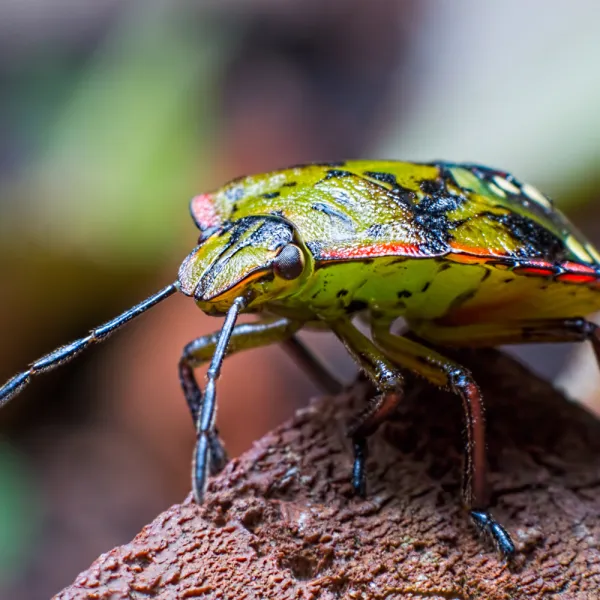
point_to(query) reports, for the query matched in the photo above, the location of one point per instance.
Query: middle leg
(386, 378)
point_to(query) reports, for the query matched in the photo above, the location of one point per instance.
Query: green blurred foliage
(128, 144)
(19, 514)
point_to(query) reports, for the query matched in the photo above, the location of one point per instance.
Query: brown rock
(281, 522)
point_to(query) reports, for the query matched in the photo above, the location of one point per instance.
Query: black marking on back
(289, 184)
(333, 213)
(534, 240)
(339, 163)
(375, 231)
(428, 210)
(487, 175)
(382, 176)
(403, 294)
(431, 214)
(343, 197)
(270, 195)
(336, 174)
(432, 186)
(480, 171)
(402, 196)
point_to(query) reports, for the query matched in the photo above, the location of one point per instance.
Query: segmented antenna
(66, 353)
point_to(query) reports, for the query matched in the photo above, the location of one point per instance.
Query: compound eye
(289, 263)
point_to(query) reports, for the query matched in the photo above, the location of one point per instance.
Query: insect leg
(69, 351)
(512, 332)
(210, 454)
(446, 373)
(386, 378)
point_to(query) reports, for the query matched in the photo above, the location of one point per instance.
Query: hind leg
(448, 374)
(513, 332)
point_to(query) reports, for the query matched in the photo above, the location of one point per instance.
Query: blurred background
(113, 113)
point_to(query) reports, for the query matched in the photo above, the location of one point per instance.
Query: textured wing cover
(358, 210)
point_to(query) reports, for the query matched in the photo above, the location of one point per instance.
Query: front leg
(210, 456)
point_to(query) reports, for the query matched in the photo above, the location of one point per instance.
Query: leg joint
(390, 381)
(581, 326)
(459, 378)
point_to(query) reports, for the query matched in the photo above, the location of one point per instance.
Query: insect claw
(217, 454)
(359, 475)
(501, 538)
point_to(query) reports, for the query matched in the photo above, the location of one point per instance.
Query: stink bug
(468, 255)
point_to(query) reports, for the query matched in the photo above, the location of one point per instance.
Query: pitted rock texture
(281, 522)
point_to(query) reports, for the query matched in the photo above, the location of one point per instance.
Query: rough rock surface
(281, 522)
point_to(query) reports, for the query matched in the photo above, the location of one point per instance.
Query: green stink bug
(468, 255)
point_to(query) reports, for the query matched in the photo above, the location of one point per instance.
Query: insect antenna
(66, 353)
